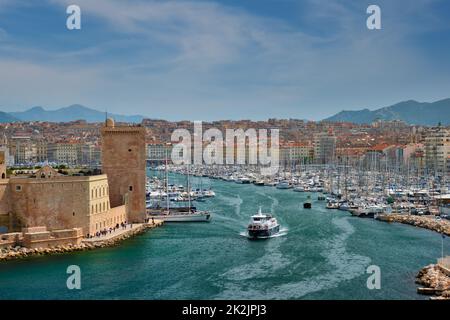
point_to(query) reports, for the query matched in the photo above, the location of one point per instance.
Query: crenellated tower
(124, 162)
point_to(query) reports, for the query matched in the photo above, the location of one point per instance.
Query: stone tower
(124, 161)
(2, 165)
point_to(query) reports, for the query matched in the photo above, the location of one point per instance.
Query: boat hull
(263, 234)
(365, 215)
(183, 217)
(284, 187)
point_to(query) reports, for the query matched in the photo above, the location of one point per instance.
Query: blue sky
(230, 59)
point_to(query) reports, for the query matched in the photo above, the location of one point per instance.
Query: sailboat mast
(167, 183)
(189, 188)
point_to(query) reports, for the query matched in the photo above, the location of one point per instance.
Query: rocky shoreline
(441, 226)
(435, 280)
(22, 252)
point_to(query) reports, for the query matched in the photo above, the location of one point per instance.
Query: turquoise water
(324, 255)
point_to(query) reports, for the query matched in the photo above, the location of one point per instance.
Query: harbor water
(324, 255)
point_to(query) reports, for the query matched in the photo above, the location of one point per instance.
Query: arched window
(3, 175)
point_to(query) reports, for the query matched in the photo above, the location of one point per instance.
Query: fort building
(89, 204)
(61, 202)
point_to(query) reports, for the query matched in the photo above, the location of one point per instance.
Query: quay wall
(12, 253)
(40, 237)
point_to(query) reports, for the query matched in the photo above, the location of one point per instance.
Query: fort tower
(124, 161)
(2, 165)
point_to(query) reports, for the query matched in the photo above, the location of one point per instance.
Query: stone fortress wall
(72, 206)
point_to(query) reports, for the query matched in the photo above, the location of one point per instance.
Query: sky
(227, 59)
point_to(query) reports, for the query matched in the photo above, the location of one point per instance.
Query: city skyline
(222, 60)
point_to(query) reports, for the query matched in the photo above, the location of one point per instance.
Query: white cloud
(222, 62)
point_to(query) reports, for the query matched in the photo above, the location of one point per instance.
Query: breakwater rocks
(22, 252)
(427, 222)
(435, 280)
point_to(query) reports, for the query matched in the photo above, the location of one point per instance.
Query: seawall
(426, 222)
(88, 244)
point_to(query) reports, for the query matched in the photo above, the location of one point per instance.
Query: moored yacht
(259, 183)
(243, 180)
(284, 185)
(182, 216)
(332, 205)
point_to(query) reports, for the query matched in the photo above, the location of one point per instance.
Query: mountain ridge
(70, 113)
(6, 117)
(409, 111)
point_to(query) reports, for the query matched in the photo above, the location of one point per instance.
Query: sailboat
(180, 214)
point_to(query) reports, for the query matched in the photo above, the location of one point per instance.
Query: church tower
(124, 162)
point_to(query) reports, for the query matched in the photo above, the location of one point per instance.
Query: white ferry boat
(262, 226)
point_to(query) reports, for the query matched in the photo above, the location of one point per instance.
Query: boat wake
(346, 266)
(282, 232)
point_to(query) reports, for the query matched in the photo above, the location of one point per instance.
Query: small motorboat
(284, 185)
(259, 183)
(307, 204)
(299, 189)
